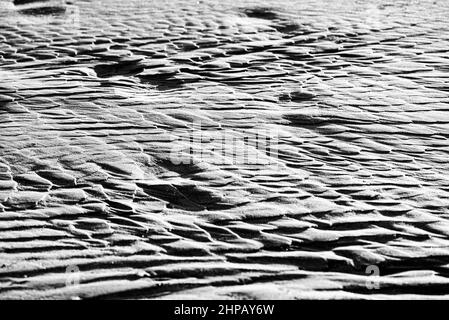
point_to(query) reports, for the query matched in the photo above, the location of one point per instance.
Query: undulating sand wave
(224, 149)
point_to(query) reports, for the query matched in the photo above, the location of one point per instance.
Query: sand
(129, 168)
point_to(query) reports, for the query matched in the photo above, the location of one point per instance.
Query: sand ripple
(95, 95)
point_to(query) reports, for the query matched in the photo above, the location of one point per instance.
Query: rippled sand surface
(96, 95)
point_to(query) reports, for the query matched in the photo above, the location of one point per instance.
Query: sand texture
(96, 95)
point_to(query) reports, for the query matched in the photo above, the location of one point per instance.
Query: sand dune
(223, 149)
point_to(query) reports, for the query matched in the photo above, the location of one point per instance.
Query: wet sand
(100, 192)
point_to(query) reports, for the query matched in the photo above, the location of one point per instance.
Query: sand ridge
(95, 95)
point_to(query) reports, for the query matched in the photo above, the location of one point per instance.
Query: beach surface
(224, 149)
